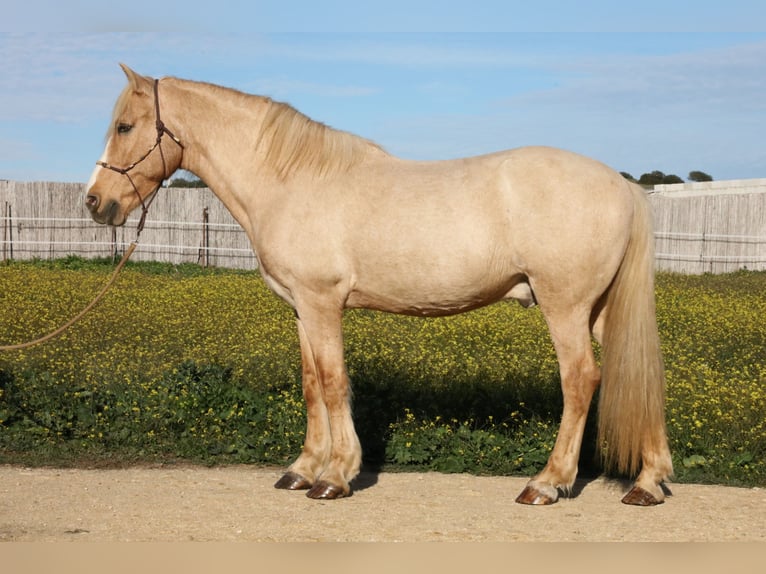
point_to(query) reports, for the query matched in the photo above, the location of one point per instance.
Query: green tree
(699, 176)
(652, 178)
(184, 182)
(657, 177)
(672, 178)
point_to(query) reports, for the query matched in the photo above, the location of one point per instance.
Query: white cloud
(58, 78)
(402, 51)
(731, 79)
(15, 150)
(70, 77)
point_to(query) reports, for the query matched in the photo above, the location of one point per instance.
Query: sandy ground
(239, 503)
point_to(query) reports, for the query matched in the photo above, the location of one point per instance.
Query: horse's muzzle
(109, 214)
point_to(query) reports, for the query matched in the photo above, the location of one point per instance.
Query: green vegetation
(656, 177)
(179, 362)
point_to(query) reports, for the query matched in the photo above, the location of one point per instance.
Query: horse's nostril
(91, 201)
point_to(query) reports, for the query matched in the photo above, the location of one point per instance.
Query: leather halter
(161, 131)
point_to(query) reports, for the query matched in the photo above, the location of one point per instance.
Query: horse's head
(134, 162)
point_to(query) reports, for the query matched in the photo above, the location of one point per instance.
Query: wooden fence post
(114, 243)
(7, 232)
(204, 253)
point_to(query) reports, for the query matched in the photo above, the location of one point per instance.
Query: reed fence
(710, 227)
(700, 228)
(49, 220)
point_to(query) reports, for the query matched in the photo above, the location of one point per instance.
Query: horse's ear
(138, 82)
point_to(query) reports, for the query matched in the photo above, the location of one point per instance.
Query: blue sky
(678, 86)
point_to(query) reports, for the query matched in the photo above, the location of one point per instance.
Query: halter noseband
(161, 130)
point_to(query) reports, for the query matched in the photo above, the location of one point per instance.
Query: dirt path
(173, 503)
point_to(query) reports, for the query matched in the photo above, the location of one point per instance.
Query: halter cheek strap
(161, 131)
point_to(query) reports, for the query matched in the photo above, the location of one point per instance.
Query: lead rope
(161, 130)
(82, 313)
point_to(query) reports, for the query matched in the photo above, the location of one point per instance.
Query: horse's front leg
(332, 454)
(313, 459)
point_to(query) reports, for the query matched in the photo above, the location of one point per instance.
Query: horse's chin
(117, 221)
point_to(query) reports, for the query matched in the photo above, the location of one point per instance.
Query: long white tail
(632, 397)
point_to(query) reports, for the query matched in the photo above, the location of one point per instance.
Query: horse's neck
(217, 133)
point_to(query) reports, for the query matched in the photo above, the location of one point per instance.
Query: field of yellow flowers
(203, 365)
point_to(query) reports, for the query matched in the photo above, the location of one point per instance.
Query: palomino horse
(336, 222)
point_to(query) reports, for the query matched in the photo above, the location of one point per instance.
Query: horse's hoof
(292, 481)
(325, 491)
(530, 495)
(640, 497)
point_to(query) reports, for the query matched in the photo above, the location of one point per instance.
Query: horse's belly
(421, 307)
(430, 298)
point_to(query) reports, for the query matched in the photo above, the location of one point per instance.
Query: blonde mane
(294, 142)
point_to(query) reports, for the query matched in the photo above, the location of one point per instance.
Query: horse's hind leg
(656, 462)
(656, 465)
(580, 376)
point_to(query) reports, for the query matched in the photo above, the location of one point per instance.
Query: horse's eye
(124, 128)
